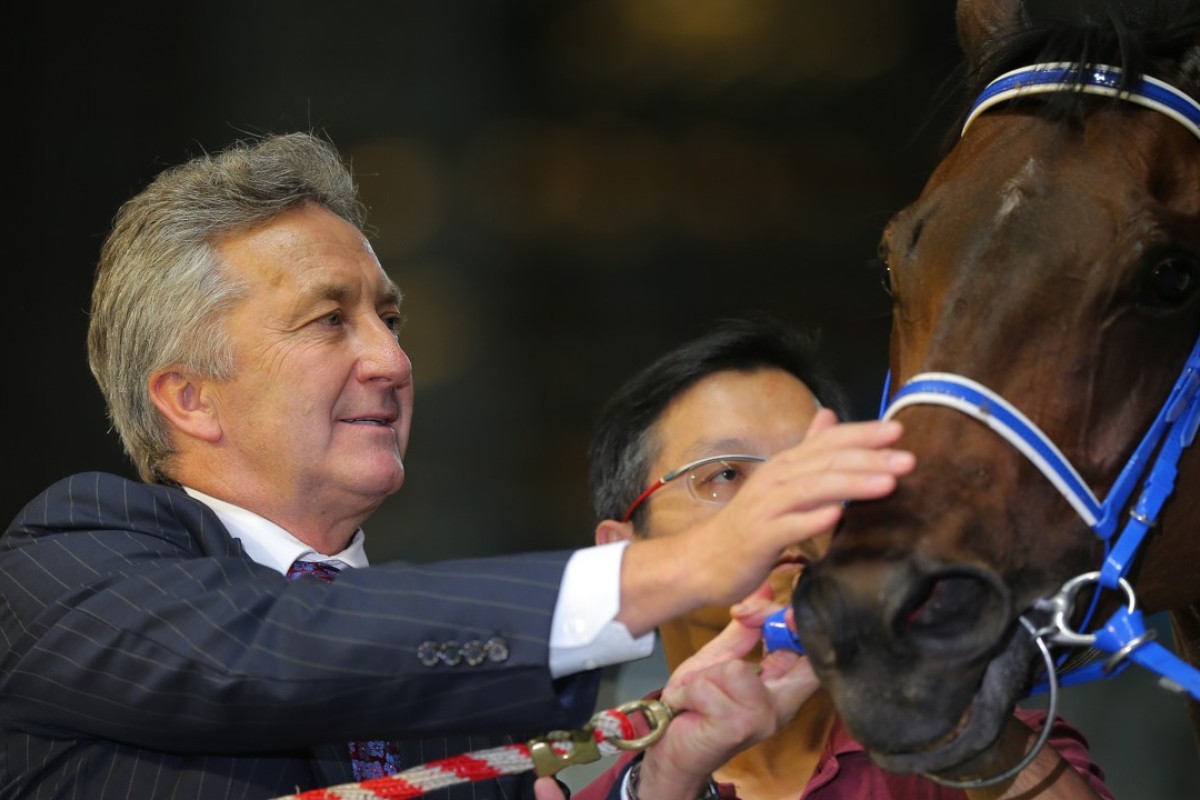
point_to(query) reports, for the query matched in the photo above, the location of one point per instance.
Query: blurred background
(563, 190)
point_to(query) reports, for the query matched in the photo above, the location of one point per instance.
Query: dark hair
(622, 446)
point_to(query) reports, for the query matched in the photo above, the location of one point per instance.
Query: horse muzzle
(923, 660)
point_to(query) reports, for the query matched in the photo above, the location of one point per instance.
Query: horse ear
(982, 23)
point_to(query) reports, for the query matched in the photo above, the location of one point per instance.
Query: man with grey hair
(183, 636)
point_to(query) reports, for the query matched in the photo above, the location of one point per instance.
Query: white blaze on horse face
(1016, 189)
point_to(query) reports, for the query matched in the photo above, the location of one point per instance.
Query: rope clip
(547, 761)
(556, 751)
(657, 713)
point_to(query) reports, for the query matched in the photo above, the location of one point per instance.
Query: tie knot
(321, 570)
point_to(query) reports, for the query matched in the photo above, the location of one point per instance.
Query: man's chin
(376, 481)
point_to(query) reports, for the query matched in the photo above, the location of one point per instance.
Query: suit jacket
(144, 655)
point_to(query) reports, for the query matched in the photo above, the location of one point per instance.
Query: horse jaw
(965, 752)
(932, 692)
(936, 710)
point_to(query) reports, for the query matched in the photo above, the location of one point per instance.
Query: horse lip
(979, 724)
(964, 722)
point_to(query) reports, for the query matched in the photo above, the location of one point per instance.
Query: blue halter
(1153, 465)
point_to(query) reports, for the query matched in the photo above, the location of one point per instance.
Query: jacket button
(474, 652)
(427, 653)
(497, 650)
(450, 653)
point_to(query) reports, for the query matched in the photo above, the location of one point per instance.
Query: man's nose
(382, 357)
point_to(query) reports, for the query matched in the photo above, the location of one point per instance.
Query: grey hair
(161, 294)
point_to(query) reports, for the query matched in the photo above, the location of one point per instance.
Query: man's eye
(721, 474)
(728, 475)
(334, 318)
(394, 322)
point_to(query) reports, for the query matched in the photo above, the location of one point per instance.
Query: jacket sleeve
(127, 612)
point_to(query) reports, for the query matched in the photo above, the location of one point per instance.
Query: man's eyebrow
(714, 447)
(391, 294)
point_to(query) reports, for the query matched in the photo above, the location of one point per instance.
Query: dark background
(564, 190)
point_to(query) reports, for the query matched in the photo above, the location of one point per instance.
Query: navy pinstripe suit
(143, 655)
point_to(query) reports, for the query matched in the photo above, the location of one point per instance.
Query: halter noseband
(1153, 465)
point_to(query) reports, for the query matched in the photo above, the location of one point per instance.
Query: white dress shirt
(584, 633)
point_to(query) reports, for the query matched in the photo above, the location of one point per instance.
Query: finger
(753, 609)
(871, 436)
(790, 680)
(846, 459)
(547, 788)
(823, 420)
(870, 433)
(821, 488)
(718, 690)
(733, 643)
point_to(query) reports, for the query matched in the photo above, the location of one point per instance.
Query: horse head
(1053, 257)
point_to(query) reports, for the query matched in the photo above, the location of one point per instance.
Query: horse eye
(882, 259)
(1171, 281)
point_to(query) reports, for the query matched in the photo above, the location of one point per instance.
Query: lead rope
(606, 734)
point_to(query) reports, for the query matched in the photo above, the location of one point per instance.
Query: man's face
(755, 413)
(315, 421)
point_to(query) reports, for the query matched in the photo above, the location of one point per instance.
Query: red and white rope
(512, 759)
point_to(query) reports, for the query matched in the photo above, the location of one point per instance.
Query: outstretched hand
(795, 495)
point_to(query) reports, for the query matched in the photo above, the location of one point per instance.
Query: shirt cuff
(584, 633)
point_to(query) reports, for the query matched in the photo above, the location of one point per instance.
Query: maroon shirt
(845, 771)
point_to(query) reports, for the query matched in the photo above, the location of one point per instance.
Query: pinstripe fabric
(143, 655)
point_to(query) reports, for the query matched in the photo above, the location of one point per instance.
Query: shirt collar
(272, 546)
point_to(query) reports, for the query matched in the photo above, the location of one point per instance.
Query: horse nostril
(955, 610)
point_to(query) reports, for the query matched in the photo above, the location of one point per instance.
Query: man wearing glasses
(683, 441)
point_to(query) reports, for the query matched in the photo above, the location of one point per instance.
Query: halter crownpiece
(1099, 79)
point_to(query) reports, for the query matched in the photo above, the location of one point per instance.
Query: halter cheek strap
(1153, 465)
(1174, 428)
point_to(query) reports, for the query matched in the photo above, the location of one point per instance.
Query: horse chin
(962, 752)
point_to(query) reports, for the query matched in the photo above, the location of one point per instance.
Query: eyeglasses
(715, 479)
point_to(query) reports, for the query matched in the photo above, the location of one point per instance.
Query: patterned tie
(370, 759)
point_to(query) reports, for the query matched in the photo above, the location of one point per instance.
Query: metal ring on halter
(1061, 605)
(1129, 647)
(1052, 709)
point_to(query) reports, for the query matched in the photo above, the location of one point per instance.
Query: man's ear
(184, 401)
(609, 530)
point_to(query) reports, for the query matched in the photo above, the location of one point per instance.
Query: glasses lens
(719, 481)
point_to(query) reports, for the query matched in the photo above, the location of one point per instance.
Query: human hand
(797, 494)
(547, 788)
(793, 496)
(724, 704)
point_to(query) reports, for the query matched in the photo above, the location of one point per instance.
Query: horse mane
(1159, 38)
